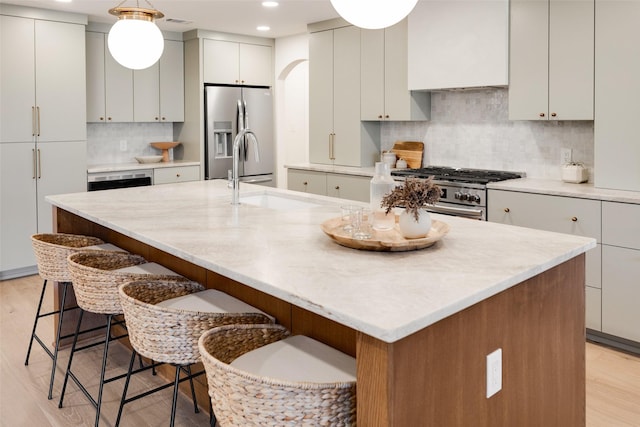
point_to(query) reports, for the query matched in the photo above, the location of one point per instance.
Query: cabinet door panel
(571, 59)
(255, 65)
(176, 174)
(146, 94)
(528, 59)
(118, 90)
(307, 181)
(397, 101)
(95, 46)
(348, 187)
(54, 156)
(593, 307)
(172, 82)
(17, 79)
(18, 206)
(61, 81)
(372, 75)
(621, 224)
(320, 95)
(346, 102)
(221, 62)
(621, 292)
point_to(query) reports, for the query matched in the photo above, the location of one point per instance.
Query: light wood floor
(613, 378)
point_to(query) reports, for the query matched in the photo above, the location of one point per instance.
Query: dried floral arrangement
(413, 195)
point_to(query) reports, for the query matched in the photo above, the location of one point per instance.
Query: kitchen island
(419, 323)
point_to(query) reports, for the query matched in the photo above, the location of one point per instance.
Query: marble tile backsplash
(103, 141)
(471, 129)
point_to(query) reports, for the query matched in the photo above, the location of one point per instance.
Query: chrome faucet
(235, 180)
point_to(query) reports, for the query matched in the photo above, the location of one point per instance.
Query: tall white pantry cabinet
(42, 125)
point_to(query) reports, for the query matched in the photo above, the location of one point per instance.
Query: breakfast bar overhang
(420, 323)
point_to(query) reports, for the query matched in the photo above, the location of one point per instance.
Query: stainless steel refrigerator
(227, 107)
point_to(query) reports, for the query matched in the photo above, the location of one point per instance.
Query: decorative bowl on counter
(148, 159)
(165, 147)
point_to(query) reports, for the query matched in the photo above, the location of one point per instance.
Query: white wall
(292, 103)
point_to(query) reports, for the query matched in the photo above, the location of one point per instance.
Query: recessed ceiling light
(263, 28)
(270, 3)
(64, 1)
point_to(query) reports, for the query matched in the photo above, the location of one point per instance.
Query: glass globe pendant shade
(373, 14)
(135, 42)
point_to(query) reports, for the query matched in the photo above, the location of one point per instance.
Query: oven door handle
(449, 210)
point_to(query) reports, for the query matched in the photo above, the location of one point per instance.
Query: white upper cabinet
(228, 62)
(551, 60)
(458, 44)
(385, 92)
(43, 89)
(119, 94)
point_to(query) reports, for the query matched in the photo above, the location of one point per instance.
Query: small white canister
(575, 173)
(389, 157)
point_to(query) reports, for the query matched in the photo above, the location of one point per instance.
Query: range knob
(458, 195)
(464, 196)
(474, 198)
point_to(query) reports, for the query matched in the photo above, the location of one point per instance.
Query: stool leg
(73, 349)
(212, 416)
(59, 332)
(126, 387)
(104, 368)
(35, 322)
(193, 390)
(174, 402)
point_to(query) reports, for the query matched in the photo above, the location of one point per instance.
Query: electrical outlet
(565, 155)
(494, 372)
(123, 145)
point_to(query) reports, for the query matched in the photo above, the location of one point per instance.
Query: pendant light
(135, 41)
(373, 14)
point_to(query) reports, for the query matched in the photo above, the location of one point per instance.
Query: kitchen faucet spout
(235, 180)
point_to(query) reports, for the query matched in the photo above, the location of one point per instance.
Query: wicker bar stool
(96, 277)
(165, 320)
(51, 251)
(261, 375)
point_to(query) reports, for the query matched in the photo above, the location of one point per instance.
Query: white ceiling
(232, 16)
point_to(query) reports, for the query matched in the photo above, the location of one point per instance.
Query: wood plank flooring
(613, 378)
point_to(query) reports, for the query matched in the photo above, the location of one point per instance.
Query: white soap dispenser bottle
(381, 184)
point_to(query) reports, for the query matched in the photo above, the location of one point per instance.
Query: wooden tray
(384, 241)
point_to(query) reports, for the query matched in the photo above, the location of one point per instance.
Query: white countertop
(284, 253)
(560, 188)
(346, 170)
(119, 167)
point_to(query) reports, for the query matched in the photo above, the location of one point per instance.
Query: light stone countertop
(560, 188)
(284, 253)
(119, 167)
(346, 170)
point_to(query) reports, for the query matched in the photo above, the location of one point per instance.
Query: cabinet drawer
(176, 174)
(568, 215)
(621, 225)
(621, 292)
(593, 307)
(307, 181)
(348, 187)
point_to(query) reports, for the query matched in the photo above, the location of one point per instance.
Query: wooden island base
(437, 376)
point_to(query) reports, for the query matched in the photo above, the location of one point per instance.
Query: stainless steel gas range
(464, 191)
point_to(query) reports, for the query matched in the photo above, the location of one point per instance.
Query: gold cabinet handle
(386, 116)
(101, 119)
(39, 165)
(38, 124)
(33, 126)
(337, 187)
(553, 114)
(380, 116)
(332, 138)
(109, 118)
(574, 218)
(507, 210)
(541, 114)
(164, 119)
(305, 183)
(177, 175)
(35, 162)
(157, 119)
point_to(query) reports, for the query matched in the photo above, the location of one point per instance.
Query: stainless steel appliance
(464, 191)
(227, 109)
(122, 179)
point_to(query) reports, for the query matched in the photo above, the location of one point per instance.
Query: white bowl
(148, 159)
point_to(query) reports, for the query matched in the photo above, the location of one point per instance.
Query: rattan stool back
(166, 334)
(52, 249)
(95, 281)
(241, 398)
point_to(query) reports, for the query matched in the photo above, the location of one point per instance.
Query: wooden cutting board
(410, 151)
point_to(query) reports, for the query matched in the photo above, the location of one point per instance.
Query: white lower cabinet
(172, 175)
(620, 270)
(568, 215)
(343, 186)
(28, 173)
